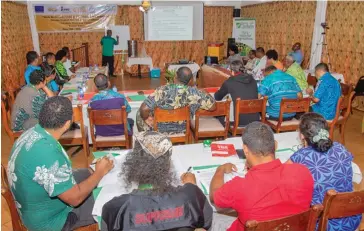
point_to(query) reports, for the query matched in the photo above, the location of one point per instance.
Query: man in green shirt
(108, 43)
(294, 69)
(45, 187)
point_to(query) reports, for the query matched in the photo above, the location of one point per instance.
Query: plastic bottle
(114, 89)
(80, 93)
(208, 60)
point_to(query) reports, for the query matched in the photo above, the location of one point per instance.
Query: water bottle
(80, 93)
(208, 60)
(114, 89)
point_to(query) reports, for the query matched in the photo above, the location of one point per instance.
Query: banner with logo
(244, 31)
(55, 18)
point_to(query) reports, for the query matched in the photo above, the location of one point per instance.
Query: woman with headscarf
(329, 163)
(156, 204)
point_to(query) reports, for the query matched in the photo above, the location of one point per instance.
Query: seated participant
(253, 60)
(327, 93)
(68, 63)
(269, 190)
(50, 74)
(262, 60)
(272, 59)
(107, 99)
(329, 163)
(240, 85)
(50, 58)
(233, 54)
(61, 57)
(156, 204)
(49, 194)
(29, 102)
(277, 85)
(297, 53)
(32, 61)
(295, 70)
(173, 96)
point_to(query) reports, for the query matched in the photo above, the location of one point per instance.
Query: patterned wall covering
(346, 41)
(280, 24)
(16, 41)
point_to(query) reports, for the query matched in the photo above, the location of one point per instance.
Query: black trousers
(109, 60)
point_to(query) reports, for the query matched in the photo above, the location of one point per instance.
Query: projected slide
(170, 23)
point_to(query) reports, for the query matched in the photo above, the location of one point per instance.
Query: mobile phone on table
(241, 153)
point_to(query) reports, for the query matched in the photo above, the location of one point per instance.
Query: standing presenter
(108, 43)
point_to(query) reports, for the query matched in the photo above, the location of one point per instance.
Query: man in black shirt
(156, 204)
(240, 85)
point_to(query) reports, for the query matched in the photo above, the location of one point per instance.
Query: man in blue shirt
(327, 93)
(277, 85)
(297, 53)
(32, 61)
(107, 99)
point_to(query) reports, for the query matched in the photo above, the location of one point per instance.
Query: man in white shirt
(262, 60)
(68, 63)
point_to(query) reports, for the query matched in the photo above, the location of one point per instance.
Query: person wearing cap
(107, 99)
(29, 102)
(174, 96)
(156, 204)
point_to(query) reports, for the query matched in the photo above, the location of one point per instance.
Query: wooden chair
(78, 136)
(247, 107)
(305, 221)
(343, 110)
(180, 114)
(109, 117)
(16, 221)
(339, 205)
(311, 80)
(7, 101)
(206, 125)
(289, 106)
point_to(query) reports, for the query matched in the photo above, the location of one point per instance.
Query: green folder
(68, 91)
(101, 154)
(137, 97)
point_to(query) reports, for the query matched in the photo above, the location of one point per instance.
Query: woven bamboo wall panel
(52, 42)
(280, 24)
(345, 38)
(16, 41)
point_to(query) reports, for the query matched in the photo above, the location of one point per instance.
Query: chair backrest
(294, 105)
(343, 107)
(250, 106)
(305, 221)
(338, 205)
(6, 193)
(222, 109)
(346, 89)
(311, 80)
(6, 102)
(107, 117)
(175, 115)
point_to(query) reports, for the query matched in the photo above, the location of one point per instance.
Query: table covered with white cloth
(147, 60)
(338, 76)
(194, 155)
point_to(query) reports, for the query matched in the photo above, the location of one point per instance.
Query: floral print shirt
(173, 96)
(39, 170)
(330, 170)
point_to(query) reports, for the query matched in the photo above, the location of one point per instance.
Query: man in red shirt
(269, 190)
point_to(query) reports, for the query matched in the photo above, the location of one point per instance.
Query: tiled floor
(354, 139)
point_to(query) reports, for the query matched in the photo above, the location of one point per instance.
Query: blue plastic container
(155, 73)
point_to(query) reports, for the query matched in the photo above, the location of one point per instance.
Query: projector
(183, 61)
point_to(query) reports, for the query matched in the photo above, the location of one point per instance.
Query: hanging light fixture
(146, 6)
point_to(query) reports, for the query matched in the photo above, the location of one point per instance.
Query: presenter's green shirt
(108, 43)
(38, 171)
